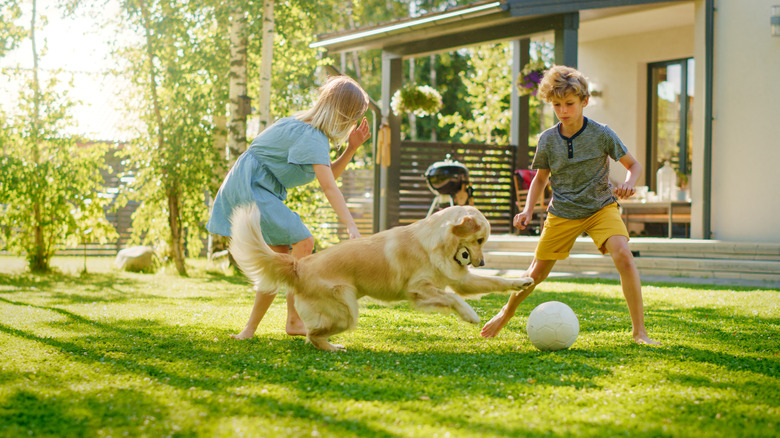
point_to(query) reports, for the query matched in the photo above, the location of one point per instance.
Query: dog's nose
(481, 262)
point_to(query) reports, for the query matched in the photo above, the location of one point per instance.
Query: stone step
(654, 257)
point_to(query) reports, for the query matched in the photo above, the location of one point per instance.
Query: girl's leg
(617, 246)
(539, 270)
(294, 325)
(263, 299)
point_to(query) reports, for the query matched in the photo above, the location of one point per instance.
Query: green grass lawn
(119, 354)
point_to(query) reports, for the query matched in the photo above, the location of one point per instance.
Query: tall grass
(108, 353)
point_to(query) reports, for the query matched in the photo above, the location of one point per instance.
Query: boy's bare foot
(295, 328)
(495, 324)
(644, 339)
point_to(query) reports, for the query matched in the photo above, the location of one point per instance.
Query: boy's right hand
(522, 219)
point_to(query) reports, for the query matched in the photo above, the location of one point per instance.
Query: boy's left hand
(624, 191)
(359, 135)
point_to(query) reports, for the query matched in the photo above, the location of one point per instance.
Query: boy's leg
(617, 246)
(539, 270)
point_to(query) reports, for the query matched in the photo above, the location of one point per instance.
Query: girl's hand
(359, 135)
(353, 232)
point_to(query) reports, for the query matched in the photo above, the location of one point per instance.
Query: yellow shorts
(559, 234)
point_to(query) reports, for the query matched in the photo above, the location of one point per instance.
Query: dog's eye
(480, 241)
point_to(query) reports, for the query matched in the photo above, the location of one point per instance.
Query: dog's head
(469, 230)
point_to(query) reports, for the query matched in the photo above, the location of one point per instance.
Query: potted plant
(529, 78)
(420, 100)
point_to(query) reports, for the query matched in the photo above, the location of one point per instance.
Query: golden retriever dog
(417, 262)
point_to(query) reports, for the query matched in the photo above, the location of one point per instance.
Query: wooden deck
(751, 263)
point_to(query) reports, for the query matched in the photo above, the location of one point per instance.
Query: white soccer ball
(552, 326)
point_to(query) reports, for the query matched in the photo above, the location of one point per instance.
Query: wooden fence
(490, 173)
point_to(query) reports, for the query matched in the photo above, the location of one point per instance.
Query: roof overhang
(476, 23)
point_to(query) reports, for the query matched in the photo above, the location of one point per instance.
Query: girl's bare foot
(295, 328)
(243, 335)
(496, 323)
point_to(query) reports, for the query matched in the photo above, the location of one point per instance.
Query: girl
(290, 153)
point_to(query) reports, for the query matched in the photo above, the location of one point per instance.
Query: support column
(566, 42)
(387, 179)
(519, 105)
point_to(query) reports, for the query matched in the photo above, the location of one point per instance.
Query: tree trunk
(172, 188)
(355, 58)
(174, 222)
(39, 260)
(236, 135)
(266, 58)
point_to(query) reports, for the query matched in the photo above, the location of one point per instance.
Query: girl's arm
(626, 190)
(336, 198)
(357, 137)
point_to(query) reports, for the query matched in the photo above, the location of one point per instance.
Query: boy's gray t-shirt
(579, 168)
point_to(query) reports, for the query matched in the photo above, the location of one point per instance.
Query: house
(712, 65)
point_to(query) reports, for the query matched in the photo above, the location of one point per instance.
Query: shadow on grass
(407, 364)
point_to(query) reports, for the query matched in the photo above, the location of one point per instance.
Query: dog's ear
(465, 227)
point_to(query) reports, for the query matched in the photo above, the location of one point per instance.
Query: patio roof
(476, 23)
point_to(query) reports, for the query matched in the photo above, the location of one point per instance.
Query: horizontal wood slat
(490, 174)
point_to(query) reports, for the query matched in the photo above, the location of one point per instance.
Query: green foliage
(49, 184)
(173, 162)
(488, 88)
(10, 33)
(420, 100)
(122, 354)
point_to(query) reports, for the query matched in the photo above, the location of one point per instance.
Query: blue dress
(278, 159)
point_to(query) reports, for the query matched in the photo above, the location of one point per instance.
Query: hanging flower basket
(419, 100)
(529, 78)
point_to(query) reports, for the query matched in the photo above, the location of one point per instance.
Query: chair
(522, 179)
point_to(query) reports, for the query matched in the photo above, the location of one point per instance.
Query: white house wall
(746, 130)
(746, 137)
(617, 67)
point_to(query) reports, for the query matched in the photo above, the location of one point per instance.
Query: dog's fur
(414, 262)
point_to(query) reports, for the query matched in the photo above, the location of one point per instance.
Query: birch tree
(266, 62)
(236, 139)
(176, 69)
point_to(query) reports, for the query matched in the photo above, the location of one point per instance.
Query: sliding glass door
(669, 119)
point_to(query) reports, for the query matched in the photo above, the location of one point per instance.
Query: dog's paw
(469, 315)
(522, 283)
(324, 345)
(335, 347)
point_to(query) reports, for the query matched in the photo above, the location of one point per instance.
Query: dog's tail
(264, 267)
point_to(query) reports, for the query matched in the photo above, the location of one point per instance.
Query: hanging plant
(529, 78)
(419, 100)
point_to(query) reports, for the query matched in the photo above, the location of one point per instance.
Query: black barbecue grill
(445, 179)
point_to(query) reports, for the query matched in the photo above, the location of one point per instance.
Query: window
(669, 118)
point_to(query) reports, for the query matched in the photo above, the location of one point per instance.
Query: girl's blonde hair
(340, 105)
(560, 80)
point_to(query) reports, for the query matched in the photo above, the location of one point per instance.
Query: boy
(574, 155)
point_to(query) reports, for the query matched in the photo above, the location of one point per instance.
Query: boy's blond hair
(340, 105)
(560, 80)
